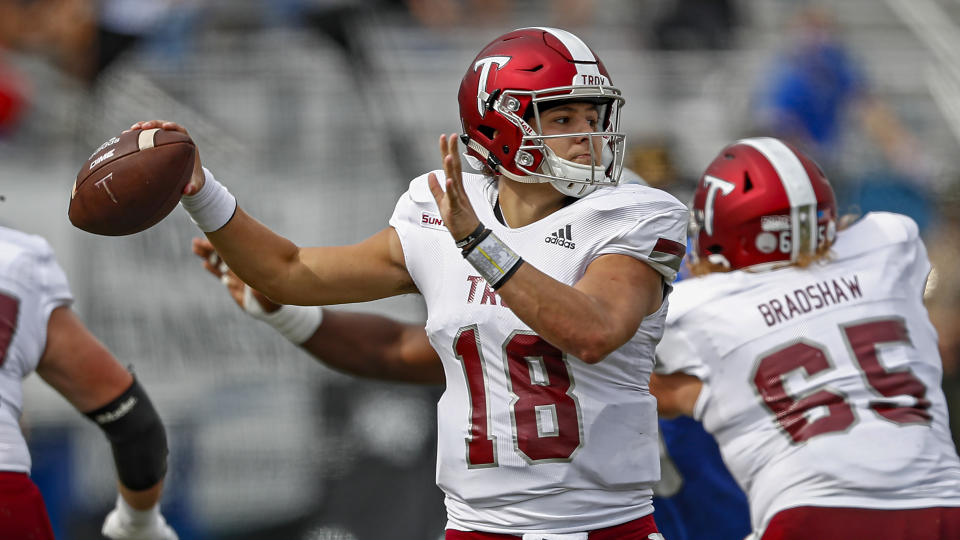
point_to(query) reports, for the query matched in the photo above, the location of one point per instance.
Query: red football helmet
(761, 202)
(511, 81)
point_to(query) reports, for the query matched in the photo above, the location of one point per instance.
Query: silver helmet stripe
(796, 182)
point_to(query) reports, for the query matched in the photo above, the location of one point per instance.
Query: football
(131, 182)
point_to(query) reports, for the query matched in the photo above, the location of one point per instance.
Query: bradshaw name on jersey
(531, 437)
(824, 390)
(31, 286)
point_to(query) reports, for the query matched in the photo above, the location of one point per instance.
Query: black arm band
(137, 436)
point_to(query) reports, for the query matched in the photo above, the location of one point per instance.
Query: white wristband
(211, 207)
(296, 323)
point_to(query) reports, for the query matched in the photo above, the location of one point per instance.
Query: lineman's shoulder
(874, 231)
(696, 292)
(29, 262)
(15, 243)
(23, 254)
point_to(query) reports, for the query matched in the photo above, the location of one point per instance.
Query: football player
(373, 346)
(376, 347)
(808, 354)
(39, 332)
(545, 292)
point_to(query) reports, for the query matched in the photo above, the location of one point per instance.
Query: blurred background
(316, 114)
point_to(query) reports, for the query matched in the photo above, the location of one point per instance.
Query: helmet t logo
(484, 66)
(713, 185)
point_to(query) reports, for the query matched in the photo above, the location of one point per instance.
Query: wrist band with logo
(495, 261)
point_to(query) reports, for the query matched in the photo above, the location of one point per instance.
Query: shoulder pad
(896, 227)
(29, 260)
(20, 246)
(876, 230)
(419, 190)
(652, 199)
(692, 292)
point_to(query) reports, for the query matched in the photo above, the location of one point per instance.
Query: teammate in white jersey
(39, 332)
(809, 355)
(545, 306)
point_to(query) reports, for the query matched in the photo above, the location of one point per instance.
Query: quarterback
(546, 293)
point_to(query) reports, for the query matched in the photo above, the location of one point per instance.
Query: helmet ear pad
(761, 201)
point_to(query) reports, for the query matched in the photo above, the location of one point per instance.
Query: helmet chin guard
(570, 171)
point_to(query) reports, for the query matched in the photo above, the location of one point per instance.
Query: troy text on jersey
(486, 293)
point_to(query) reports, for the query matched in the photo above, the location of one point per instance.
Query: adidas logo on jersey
(562, 237)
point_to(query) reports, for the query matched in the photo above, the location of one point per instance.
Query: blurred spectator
(84, 37)
(813, 84)
(13, 96)
(445, 14)
(653, 158)
(450, 14)
(123, 24)
(695, 24)
(817, 98)
(61, 30)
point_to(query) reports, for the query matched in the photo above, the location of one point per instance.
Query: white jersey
(31, 286)
(822, 385)
(532, 438)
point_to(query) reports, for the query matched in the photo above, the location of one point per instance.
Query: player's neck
(523, 204)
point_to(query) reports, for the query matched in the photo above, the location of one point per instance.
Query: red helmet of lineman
(514, 79)
(761, 202)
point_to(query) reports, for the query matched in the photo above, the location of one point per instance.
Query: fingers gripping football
(196, 176)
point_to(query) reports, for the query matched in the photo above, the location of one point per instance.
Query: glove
(126, 523)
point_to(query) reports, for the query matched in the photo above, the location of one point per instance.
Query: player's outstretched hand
(197, 179)
(455, 208)
(125, 523)
(253, 302)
